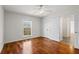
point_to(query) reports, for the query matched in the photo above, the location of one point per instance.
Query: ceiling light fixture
(42, 10)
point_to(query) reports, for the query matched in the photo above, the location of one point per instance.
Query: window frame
(24, 27)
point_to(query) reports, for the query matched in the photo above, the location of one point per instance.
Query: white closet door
(76, 41)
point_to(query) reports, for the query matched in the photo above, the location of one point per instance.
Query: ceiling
(33, 10)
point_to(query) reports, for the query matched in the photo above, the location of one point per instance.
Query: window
(27, 28)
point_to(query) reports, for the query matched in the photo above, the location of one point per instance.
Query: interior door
(67, 29)
(76, 41)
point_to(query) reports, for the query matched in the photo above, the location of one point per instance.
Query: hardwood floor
(38, 45)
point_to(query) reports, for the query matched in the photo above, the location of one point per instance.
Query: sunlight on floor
(27, 46)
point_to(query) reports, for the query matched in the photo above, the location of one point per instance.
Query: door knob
(76, 32)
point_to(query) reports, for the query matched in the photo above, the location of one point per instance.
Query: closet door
(67, 29)
(76, 41)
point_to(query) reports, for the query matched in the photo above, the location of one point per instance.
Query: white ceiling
(50, 9)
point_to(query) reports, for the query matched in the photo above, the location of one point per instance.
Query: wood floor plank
(39, 45)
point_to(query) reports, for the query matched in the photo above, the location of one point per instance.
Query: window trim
(23, 28)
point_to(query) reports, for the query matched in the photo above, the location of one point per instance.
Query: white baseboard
(52, 39)
(21, 39)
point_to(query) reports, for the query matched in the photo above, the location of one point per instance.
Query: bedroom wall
(51, 26)
(14, 26)
(1, 27)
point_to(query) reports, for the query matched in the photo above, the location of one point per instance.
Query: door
(67, 30)
(76, 41)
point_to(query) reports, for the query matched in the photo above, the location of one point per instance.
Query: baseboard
(52, 38)
(31, 38)
(22, 39)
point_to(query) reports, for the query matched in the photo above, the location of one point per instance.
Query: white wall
(1, 27)
(41, 26)
(14, 26)
(51, 26)
(47, 27)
